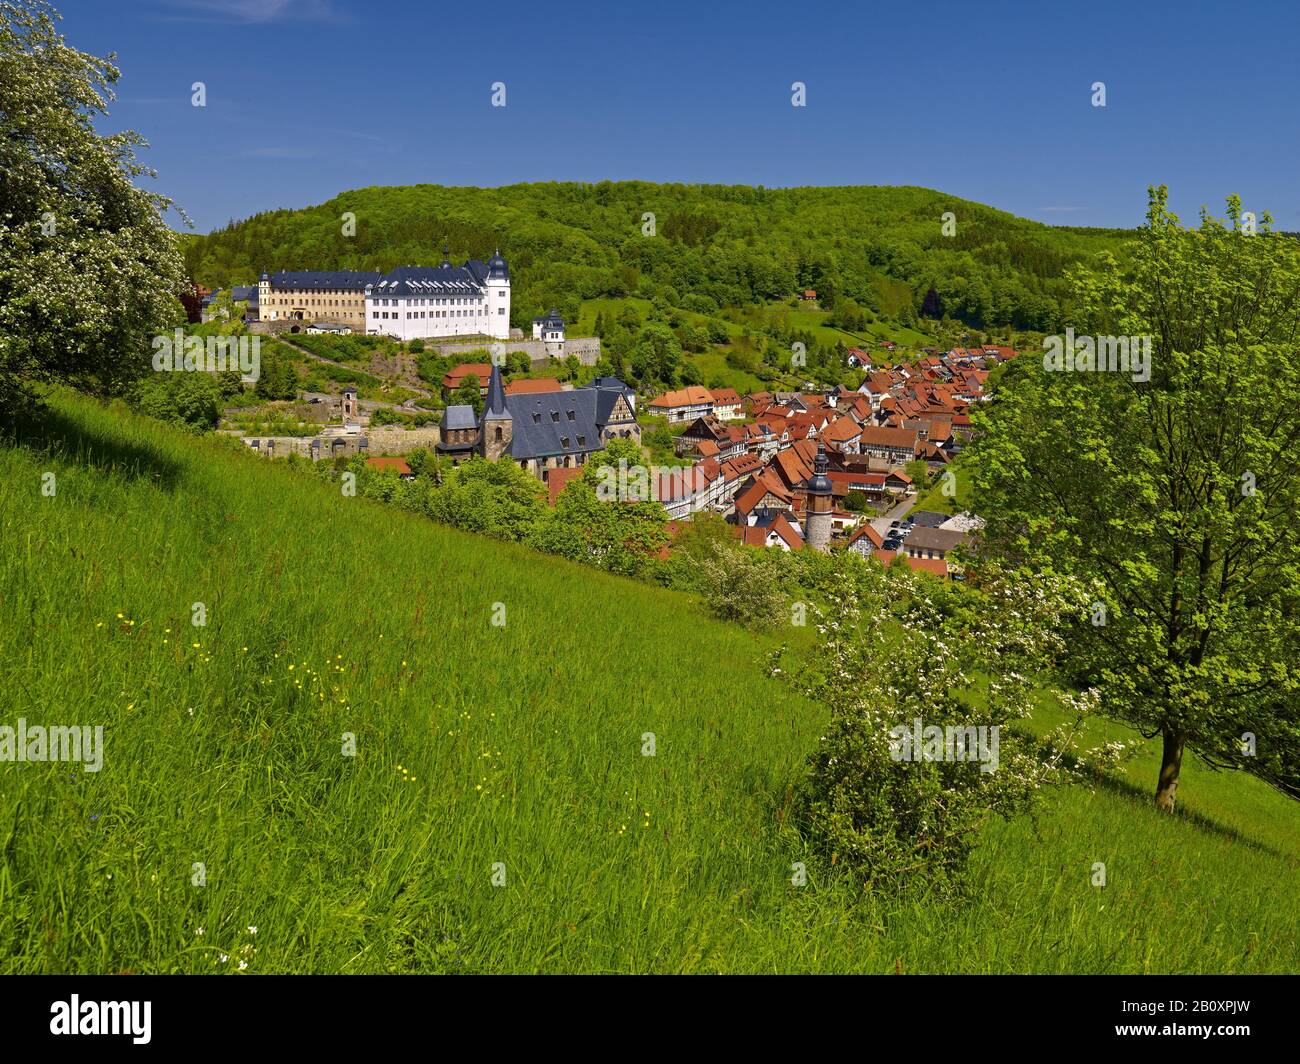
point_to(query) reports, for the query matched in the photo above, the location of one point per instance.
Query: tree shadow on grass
(49, 431)
(1128, 789)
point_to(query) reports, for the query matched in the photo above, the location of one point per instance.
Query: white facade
(409, 317)
(444, 301)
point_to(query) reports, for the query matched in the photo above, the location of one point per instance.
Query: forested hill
(882, 248)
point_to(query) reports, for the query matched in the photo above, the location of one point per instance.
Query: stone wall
(586, 348)
(386, 439)
(390, 439)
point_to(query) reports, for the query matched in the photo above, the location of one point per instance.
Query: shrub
(742, 584)
(902, 657)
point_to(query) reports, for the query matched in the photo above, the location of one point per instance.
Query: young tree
(1175, 496)
(89, 271)
(901, 658)
(468, 393)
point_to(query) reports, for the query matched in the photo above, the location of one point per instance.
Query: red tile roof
(533, 386)
(558, 478)
(396, 465)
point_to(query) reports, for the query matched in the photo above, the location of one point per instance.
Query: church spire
(496, 396)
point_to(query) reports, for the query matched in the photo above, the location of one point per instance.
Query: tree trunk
(1171, 764)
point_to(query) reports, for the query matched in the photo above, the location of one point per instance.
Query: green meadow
(500, 813)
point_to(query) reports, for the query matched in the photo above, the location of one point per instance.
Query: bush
(743, 584)
(191, 400)
(903, 657)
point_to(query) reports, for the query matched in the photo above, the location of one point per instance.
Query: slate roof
(459, 417)
(551, 423)
(444, 280)
(607, 390)
(323, 279)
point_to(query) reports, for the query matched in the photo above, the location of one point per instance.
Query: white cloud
(255, 12)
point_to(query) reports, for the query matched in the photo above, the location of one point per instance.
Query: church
(542, 430)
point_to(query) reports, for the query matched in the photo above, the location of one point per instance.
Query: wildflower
(243, 965)
(199, 932)
(223, 958)
(252, 930)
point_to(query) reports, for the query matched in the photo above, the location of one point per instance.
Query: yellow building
(336, 297)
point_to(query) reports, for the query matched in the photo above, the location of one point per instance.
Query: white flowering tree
(89, 271)
(926, 684)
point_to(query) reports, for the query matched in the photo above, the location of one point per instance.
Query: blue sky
(989, 101)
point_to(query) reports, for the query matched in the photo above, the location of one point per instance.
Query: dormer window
(571, 415)
(537, 418)
(555, 416)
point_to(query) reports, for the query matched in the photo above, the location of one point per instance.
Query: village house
(726, 404)
(933, 542)
(685, 404)
(896, 445)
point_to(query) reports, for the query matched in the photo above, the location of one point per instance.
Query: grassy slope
(347, 864)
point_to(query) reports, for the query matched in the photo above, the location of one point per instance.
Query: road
(881, 523)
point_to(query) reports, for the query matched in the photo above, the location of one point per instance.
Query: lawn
(499, 814)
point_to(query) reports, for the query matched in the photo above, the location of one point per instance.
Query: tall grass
(478, 746)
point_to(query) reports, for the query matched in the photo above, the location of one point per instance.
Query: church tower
(817, 507)
(498, 426)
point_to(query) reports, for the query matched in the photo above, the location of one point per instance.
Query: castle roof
(323, 280)
(444, 280)
(497, 270)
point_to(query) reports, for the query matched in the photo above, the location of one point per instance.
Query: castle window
(498, 433)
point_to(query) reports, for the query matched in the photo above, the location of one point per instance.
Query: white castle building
(419, 301)
(409, 302)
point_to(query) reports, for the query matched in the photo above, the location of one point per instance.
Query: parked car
(892, 544)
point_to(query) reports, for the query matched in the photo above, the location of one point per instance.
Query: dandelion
(196, 645)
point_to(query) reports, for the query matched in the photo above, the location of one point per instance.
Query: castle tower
(498, 426)
(498, 297)
(817, 508)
